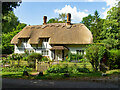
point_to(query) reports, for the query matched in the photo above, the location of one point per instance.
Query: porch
(58, 52)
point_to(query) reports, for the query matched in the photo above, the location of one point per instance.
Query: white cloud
(86, 10)
(76, 16)
(91, 0)
(110, 4)
(103, 8)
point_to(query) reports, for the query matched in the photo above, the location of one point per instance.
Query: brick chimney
(68, 19)
(44, 20)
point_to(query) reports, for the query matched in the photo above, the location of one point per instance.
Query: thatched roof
(58, 33)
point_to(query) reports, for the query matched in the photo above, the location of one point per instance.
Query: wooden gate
(42, 66)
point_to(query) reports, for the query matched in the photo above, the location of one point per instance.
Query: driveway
(22, 83)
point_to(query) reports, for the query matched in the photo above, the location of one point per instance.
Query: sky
(31, 12)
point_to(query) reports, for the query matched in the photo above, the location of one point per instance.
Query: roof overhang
(59, 48)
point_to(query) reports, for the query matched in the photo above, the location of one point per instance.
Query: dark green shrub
(64, 68)
(114, 59)
(44, 58)
(16, 69)
(33, 57)
(5, 61)
(58, 69)
(85, 70)
(71, 57)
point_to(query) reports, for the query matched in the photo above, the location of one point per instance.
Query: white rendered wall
(22, 45)
(73, 48)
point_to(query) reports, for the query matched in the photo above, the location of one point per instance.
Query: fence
(42, 66)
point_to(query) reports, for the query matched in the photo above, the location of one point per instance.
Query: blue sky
(32, 12)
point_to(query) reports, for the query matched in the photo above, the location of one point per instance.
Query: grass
(56, 76)
(59, 76)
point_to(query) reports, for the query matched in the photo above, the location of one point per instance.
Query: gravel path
(22, 83)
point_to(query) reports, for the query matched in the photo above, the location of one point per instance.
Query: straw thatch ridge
(58, 33)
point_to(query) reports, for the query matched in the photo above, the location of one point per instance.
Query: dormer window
(25, 40)
(45, 40)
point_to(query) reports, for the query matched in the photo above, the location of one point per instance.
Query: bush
(44, 58)
(33, 57)
(57, 69)
(16, 69)
(95, 54)
(71, 57)
(114, 59)
(85, 70)
(64, 68)
(5, 61)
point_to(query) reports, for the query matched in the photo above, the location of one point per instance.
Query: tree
(111, 26)
(7, 48)
(9, 22)
(95, 53)
(94, 24)
(61, 19)
(96, 27)
(88, 21)
(9, 6)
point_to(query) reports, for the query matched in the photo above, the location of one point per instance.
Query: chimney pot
(68, 19)
(44, 20)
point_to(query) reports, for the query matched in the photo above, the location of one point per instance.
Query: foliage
(71, 57)
(9, 22)
(60, 19)
(34, 56)
(110, 43)
(114, 59)
(63, 17)
(64, 68)
(7, 48)
(88, 21)
(111, 27)
(95, 53)
(95, 24)
(5, 60)
(44, 58)
(9, 6)
(16, 69)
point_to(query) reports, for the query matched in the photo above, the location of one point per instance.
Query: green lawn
(59, 76)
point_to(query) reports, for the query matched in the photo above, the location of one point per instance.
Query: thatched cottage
(54, 40)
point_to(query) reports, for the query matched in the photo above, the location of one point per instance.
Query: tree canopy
(94, 24)
(7, 48)
(111, 27)
(9, 22)
(9, 6)
(61, 19)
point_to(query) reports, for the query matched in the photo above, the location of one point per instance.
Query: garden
(97, 62)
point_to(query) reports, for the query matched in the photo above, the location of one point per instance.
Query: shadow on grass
(53, 76)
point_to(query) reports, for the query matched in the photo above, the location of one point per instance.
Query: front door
(58, 54)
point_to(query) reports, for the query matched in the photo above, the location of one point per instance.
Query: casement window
(25, 41)
(80, 52)
(45, 52)
(45, 40)
(44, 43)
